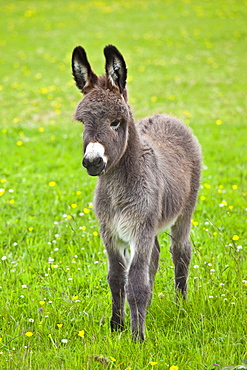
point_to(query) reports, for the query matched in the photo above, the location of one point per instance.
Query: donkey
(149, 175)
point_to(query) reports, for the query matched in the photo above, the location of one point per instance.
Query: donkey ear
(115, 67)
(84, 77)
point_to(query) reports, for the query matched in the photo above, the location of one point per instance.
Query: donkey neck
(128, 167)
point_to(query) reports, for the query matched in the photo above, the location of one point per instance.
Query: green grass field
(184, 57)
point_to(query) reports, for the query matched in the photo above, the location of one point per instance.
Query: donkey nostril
(85, 162)
(98, 161)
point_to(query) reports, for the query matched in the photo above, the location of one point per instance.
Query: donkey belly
(126, 226)
(165, 225)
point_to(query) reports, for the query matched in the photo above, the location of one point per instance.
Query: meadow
(186, 58)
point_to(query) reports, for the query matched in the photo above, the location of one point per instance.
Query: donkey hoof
(138, 336)
(117, 325)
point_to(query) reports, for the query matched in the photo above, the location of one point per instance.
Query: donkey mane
(149, 176)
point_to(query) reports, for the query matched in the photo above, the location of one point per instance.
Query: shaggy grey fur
(149, 175)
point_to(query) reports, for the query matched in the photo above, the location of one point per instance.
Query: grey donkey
(149, 175)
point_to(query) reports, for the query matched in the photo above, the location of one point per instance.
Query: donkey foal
(149, 175)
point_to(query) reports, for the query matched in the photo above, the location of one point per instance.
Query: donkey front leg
(138, 287)
(116, 280)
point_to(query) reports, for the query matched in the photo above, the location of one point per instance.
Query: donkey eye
(115, 124)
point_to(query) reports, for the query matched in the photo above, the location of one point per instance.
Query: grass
(187, 58)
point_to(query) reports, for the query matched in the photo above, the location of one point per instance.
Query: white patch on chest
(124, 228)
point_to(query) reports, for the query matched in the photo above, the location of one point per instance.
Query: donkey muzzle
(94, 159)
(95, 167)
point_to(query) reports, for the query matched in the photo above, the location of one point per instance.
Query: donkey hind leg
(154, 262)
(138, 288)
(181, 251)
(117, 280)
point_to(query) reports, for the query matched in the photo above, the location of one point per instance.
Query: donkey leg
(138, 288)
(181, 251)
(154, 262)
(116, 280)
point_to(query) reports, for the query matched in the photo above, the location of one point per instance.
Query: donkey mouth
(92, 171)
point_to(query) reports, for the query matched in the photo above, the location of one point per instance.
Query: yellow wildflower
(41, 303)
(2, 191)
(171, 97)
(75, 297)
(235, 237)
(81, 333)
(29, 13)
(153, 363)
(187, 113)
(59, 325)
(173, 367)
(28, 333)
(73, 205)
(44, 90)
(86, 210)
(52, 183)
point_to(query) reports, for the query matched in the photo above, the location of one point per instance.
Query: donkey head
(103, 110)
